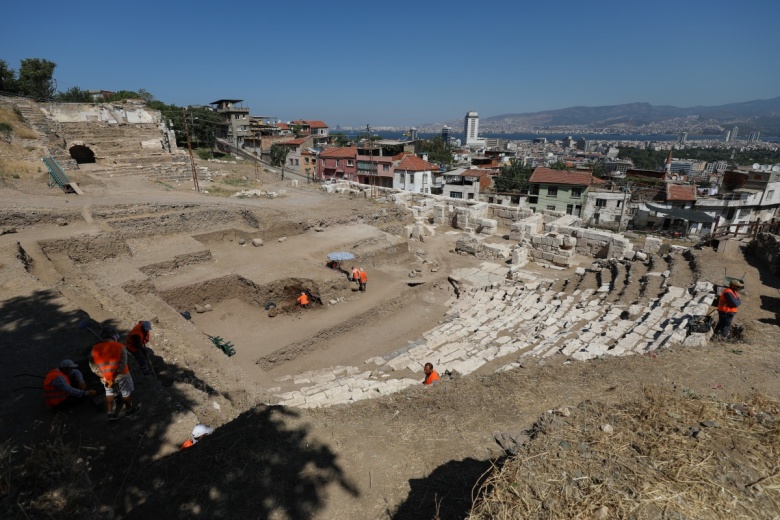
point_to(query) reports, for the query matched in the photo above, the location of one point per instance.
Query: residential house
(297, 148)
(466, 183)
(316, 129)
(676, 214)
(559, 190)
(337, 163)
(375, 161)
(744, 197)
(235, 124)
(309, 163)
(412, 173)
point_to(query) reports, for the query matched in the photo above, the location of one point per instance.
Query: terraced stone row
(494, 318)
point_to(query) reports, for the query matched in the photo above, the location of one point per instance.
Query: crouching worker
(303, 300)
(109, 362)
(431, 376)
(64, 386)
(198, 432)
(136, 345)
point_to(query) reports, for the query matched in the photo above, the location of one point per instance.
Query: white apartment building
(471, 129)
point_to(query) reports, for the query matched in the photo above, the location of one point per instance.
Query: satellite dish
(776, 168)
(766, 167)
(756, 166)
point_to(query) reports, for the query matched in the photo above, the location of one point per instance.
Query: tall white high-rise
(734, 133)
(471, 129)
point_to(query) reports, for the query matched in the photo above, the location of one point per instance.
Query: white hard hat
(201, 430)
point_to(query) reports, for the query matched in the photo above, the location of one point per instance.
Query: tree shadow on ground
(446, 493)
(256, 466)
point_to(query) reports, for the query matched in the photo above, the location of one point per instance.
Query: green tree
(73, 95)
(341, 139)
(437, 149)
(597, 168)
(558, 165)
(513, 177)
(279, 155)
(7, 79)
(36, 79)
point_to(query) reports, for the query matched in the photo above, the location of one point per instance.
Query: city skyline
(405, 63)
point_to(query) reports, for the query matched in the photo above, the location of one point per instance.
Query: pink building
(338, 163)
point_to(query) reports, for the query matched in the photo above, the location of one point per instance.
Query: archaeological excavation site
(584, 350)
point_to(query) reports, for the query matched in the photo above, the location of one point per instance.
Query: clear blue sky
(402, 62)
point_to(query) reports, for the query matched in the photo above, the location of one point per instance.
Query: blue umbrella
(340, 256)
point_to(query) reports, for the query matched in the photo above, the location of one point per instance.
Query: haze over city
(407, 63)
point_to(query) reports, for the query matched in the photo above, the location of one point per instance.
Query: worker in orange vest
(363, 280)
(727, 308)
(58, 390)
(303, 300)
(136, 344)
(355, 274)
(108, 361)
(431, 376)
(198, 432)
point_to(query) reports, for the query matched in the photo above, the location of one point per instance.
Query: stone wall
(767, 247)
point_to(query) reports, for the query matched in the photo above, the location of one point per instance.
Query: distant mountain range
(761, 115)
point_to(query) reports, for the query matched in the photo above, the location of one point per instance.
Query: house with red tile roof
(337, 163)
(559, 190)
(296, 146)
(412, 173)
(466, 183)
(305, 127)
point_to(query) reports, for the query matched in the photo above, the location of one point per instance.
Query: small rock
(282, 239)
(241, 241)
(319, 229)
(216, 406)
(601, 513)
(563, 411)
(208, 308)
(740, 409)
(200, 309)
(607, 428)
(257, 242)
(710, 424)
(333, 302)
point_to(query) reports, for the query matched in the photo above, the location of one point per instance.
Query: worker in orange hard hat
(303, 300)
(363, 280)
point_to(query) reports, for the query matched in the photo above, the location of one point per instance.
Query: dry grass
(19, 128)
(47, 480)
(668, 456)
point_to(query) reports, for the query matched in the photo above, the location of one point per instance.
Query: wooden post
(189, 145)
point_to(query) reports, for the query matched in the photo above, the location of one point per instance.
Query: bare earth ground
(414, 454)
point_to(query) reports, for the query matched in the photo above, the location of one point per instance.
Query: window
(601, 203)
(337, 163)
(349, 162)
(552, 191)
(515, 199)
(551, 207)
(456, 194)
(411, 178)
(569, 209)
(576, 193)
(619, 204)
(490, 200)
(385, 167)
(617, 219)
(534, 189)
(471, 196)
(306, 161)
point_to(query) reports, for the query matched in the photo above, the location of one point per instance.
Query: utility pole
(189, 145)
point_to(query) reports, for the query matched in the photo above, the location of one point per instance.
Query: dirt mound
(664, 456)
